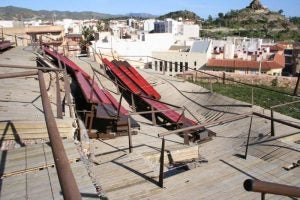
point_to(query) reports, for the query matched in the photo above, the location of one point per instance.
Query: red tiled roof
(277, 63)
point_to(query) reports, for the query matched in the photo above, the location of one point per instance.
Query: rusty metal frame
(66, 178)
(29, 67)
(18, 74)
(217, 122)
(161, 166)
(58, 98)
(271, 188)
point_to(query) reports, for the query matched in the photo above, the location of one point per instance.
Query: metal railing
(264, 188)
(66, 178)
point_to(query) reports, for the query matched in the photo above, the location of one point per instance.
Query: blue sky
(201, 7)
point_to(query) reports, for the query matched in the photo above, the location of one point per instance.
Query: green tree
(210, 19)
(221, 15)
(88, 36)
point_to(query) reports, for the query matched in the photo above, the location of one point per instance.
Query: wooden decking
(29, 173)
(27, 169)
(134, 176)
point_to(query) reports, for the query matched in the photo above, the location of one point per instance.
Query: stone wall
(267, 80)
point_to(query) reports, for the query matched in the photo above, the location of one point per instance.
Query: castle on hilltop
(256, 5)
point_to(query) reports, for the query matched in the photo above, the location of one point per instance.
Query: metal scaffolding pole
(66, 178)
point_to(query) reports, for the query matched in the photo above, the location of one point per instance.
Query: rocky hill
(254, 20)
(255, 16)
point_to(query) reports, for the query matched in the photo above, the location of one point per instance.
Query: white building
(179, 59)
(178, 29)
(134, 49)
(149, 25)
(70, 25)
(11, 24)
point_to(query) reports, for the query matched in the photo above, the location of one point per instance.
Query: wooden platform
(29, 173)
(134, 176)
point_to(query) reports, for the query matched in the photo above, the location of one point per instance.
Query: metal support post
(18, 74)
(161, 167)
(116, 84)
(91, 119)
(211, 87)
(272, 123)
(129, 135)
(297, 85)
(58, 98)
(252, 96)
(263, 196)
(248, 138)
(92, 88)
(59, 64)
(223, 79)
(133, 103)
(119, 106)
(68, 94)
(66, 178)
(186, 138)
(153, 116)
(16, 40)
(271, 188)
(2, 34)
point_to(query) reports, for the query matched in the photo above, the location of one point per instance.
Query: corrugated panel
(67, 62)
(128, 82)
(86, 88)
(100, 93)
(150, 90)
(171, 115)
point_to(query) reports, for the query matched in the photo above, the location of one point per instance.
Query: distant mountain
(16, 13)
(141, 15)
(184, 14)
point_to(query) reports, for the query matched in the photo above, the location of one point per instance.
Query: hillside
(16, 13)
(184, 14)
(253, 21)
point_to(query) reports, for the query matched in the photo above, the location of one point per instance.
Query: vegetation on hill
(253, 21)
(184, 14)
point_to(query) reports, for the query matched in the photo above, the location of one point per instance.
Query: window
(176, 66)
(160, 65)
(195, 63)
(155, 64)
(166, 66)
(171, 66)
(186, 64)
(181, 66)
